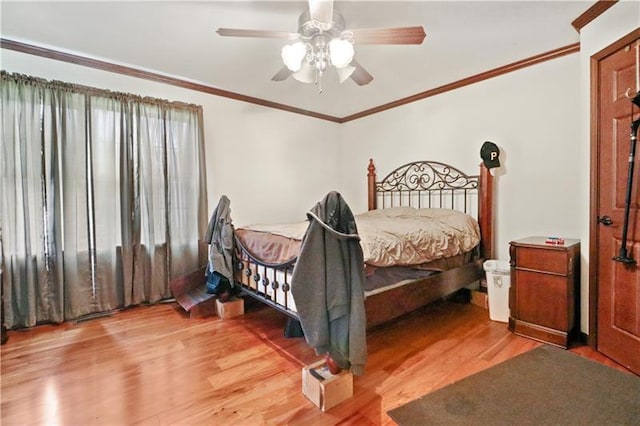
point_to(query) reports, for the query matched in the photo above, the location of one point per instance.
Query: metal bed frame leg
(293, 328)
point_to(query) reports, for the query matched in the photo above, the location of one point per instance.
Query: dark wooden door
(618, 304)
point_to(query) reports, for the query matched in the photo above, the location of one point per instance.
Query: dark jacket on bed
(219, 236)
(328, 284)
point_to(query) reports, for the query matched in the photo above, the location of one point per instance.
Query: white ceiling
(178, 38)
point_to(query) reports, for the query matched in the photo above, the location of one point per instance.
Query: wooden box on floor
(329, 391)
(191, 294)
(480, 299)
(231, 308)
(203, 309)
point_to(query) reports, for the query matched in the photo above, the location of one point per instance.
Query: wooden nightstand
(544, 296)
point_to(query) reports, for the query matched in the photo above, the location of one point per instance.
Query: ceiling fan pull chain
(319, 80)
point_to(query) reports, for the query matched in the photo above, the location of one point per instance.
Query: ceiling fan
(322, 41)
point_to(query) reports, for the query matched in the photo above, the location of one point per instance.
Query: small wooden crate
(480, 299)
(191, 294)
(330, 391)
(203, 309)
(231, 308)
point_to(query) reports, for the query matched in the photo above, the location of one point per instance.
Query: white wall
(531, 114)
(257, 156)
(539, 116)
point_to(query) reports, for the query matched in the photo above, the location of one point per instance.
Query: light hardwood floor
(155, 366)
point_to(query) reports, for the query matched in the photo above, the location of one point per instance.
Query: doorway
(614, 286)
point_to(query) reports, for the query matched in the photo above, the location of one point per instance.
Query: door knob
(605, 220)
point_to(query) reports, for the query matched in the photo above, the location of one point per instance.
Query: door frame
(594, 189)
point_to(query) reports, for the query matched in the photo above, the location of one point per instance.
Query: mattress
(400, 236)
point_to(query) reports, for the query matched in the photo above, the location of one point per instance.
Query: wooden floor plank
(156, 366)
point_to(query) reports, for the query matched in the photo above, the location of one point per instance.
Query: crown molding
(152, 76)
(160, 78)
(592, 13)
(533, 60)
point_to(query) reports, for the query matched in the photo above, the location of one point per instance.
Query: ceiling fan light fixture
(345, 72)
(293, 55)
(306, 73)
(323, 41)
(340, 52)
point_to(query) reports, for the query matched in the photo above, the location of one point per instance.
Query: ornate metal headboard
(432, 184)
(427, 184)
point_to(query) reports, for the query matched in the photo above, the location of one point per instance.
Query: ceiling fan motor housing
(308, 28)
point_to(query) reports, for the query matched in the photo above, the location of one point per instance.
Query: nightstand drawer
(542, 260)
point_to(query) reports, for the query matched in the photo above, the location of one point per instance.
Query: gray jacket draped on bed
(328, 284)
(219, 236)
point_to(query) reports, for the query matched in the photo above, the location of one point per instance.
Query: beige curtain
(103, 198)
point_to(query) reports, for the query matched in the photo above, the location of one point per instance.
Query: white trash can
(498, 282)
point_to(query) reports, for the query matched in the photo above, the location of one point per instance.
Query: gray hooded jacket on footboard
(328, 284)
(219, 236)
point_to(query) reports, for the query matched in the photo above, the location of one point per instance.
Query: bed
(421, 186)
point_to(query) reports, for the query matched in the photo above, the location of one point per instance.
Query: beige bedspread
(399, 236)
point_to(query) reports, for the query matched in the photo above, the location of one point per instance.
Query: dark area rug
(547, 385)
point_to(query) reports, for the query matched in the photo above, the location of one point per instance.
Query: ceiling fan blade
(236, 32)
(321, 10)
(403, 35)
(282, 75)
(360, 75)
(345, 72)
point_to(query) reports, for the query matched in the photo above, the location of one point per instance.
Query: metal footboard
(267, 282)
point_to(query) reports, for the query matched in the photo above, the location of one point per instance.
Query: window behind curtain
(103, 198)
